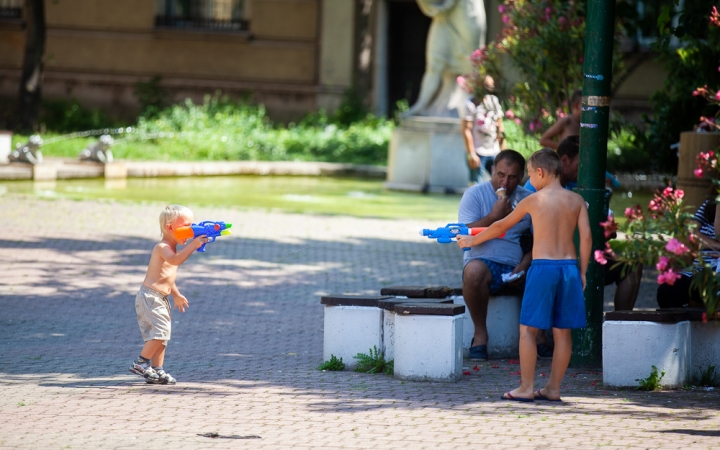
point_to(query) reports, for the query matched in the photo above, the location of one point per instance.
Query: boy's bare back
(555, 213)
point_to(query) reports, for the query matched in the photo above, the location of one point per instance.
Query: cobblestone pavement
(246, 352)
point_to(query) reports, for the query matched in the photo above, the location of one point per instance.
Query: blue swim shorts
(553, 295)
(496, 271)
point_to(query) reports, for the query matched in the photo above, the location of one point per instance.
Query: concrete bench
(634, 341)
(428, 341)
(503, 323)
(704, 340)
(352, 325)
(388, 307)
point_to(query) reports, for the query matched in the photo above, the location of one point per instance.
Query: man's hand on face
(501, 208)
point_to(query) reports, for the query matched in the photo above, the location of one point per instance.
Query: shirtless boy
(556, 278)
(151, 303)
(567, 126)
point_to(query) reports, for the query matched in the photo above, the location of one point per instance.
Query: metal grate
(221, 15)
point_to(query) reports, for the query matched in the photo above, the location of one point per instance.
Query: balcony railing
(217, 15)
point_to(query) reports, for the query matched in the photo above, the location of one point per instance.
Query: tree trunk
(363, 48)
(32, 71)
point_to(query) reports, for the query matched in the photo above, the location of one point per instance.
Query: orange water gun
(207, 228)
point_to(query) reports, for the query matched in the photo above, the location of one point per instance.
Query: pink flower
(509, 114)
(698, 172)
(668, 277)
(676, 247)
(480, 122)
(667, 192)
(600, 257)
(562, 21)
(460, 80)
(518, 121)
(501, 9)
(610, 227)
(633, 213)
(704, 317)
(662, 264)
(679, 193)
(717, 95)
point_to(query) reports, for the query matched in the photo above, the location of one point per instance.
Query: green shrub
(707, 377)
(334, 364)
(374, 362)
(652, 382)
(63, 116)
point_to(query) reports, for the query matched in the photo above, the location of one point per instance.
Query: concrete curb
(67, 168)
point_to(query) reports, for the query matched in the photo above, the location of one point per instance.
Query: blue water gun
(448, 233)
(208, 228)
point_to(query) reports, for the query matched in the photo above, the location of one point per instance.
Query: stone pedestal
(428, 154)
(115, 170)
(44, 172)
(428, 342)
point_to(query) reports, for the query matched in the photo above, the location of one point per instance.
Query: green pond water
(316, 195)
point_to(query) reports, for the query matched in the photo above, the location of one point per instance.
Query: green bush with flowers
(666, 234)
(545, 41)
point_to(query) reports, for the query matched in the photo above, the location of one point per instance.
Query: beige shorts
(153, 314)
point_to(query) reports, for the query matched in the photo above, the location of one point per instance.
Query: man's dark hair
(512, 157)
(576, 97)
(547, 160)
(570, 147)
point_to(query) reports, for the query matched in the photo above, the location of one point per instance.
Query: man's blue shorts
(553, 295)
(496, 271)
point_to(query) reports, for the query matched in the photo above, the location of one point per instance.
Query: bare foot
(545, 394)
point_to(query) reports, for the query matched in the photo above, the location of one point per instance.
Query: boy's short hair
(570, 147)
(172, 212)
(512, 157)
(547, 160)
(576, 97)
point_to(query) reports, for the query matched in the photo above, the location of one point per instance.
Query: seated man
(484, 265)
(679, 294)
(628, 284)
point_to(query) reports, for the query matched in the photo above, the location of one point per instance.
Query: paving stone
(246, 352)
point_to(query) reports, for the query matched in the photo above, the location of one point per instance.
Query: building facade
(293, 56)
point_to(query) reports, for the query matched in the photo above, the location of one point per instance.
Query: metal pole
(599, 39)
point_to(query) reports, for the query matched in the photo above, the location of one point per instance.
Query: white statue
(99, 151)
(458, 29)
(29, 152)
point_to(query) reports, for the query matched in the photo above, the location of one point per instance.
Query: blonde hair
(170, 213)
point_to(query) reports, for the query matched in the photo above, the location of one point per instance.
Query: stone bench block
(428, 341)
(418, 291)
(503, 324)
(352, 325)
(634, 341)
(388, 307)
(705, 346)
